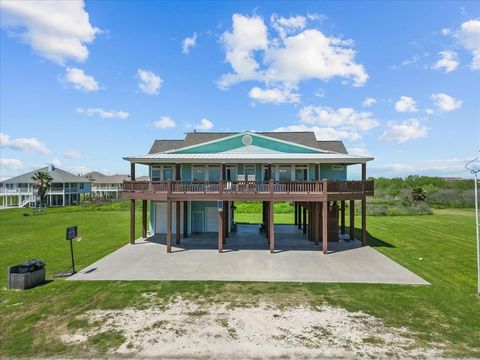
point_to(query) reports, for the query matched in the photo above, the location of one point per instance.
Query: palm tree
(43, 181)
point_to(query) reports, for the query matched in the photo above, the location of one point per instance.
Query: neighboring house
(65, 190)
(195, 182)
(108, 186)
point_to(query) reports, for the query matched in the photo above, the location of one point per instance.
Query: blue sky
(84, 84)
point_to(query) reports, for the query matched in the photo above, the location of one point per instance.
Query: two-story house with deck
(194, 183)
(66, 188)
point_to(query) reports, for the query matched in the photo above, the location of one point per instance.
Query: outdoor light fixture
(220, 205)
(473, 167)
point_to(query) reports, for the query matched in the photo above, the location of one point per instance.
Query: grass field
(440, 248)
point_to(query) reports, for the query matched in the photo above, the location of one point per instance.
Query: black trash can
(26, 275)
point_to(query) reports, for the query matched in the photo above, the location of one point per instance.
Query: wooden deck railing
(250, 187)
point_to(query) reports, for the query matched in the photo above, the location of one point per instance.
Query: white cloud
(448, 61)
(80, 80)
(446, 102)
(56, 30)
(81, 170)
(13, 164)
(406, 104)
(429, 111)
(312, 55)
(413, 60)
(204, 125)
(446, 31)
(323, 133)
(275, 96)
(72, 154)
(369, 102)
(164, 123)
(345, 118)
(360, 150)
(149, 83)
(441, 167)
(23, 144)
(57, 163)
(404, 131)
(469, 37)
(105, 114)
(333, 124)
(189, 42)
(248, 35)
(285, 26)
(287, 60)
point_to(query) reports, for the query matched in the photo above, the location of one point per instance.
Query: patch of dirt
(186, 329)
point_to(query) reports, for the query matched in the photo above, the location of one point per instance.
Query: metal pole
(73, 260)
(478, 235)
(475, 170)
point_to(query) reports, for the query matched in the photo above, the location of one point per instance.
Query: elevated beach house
(196, 181)
(65, 190)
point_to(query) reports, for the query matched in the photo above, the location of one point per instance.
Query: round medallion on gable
(247, 140)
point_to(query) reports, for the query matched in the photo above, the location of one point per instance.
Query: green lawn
(439, 247)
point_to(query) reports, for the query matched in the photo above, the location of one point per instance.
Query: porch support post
(304, 224)
(342, 217)
(267, 220)
(220, 231)
(364, 205)
(225, 221)
(185, 219)
(177, 222)
(169, 226)
(271, 225)
(144, 219)
(310, 218)
(352, 219)
(296, 214)
(132, 207)
(299, 217)
(177, 207)
(317, 172)
(324, 227)
(226, 209)
(317, 221)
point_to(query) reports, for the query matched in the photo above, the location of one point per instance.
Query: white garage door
(212, 219)
(161, 218)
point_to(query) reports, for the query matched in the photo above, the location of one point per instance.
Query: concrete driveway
(246, 258)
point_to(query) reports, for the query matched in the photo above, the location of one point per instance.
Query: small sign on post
(71, 234)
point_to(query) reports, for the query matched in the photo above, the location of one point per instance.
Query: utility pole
(475, 170)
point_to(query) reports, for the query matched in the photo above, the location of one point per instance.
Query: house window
(198, 173)
(167, 173)
(231, 172)
(156, 174)
(81, 185)
(249, 172)
(301, 172)
(284, 173)
(214, 172)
